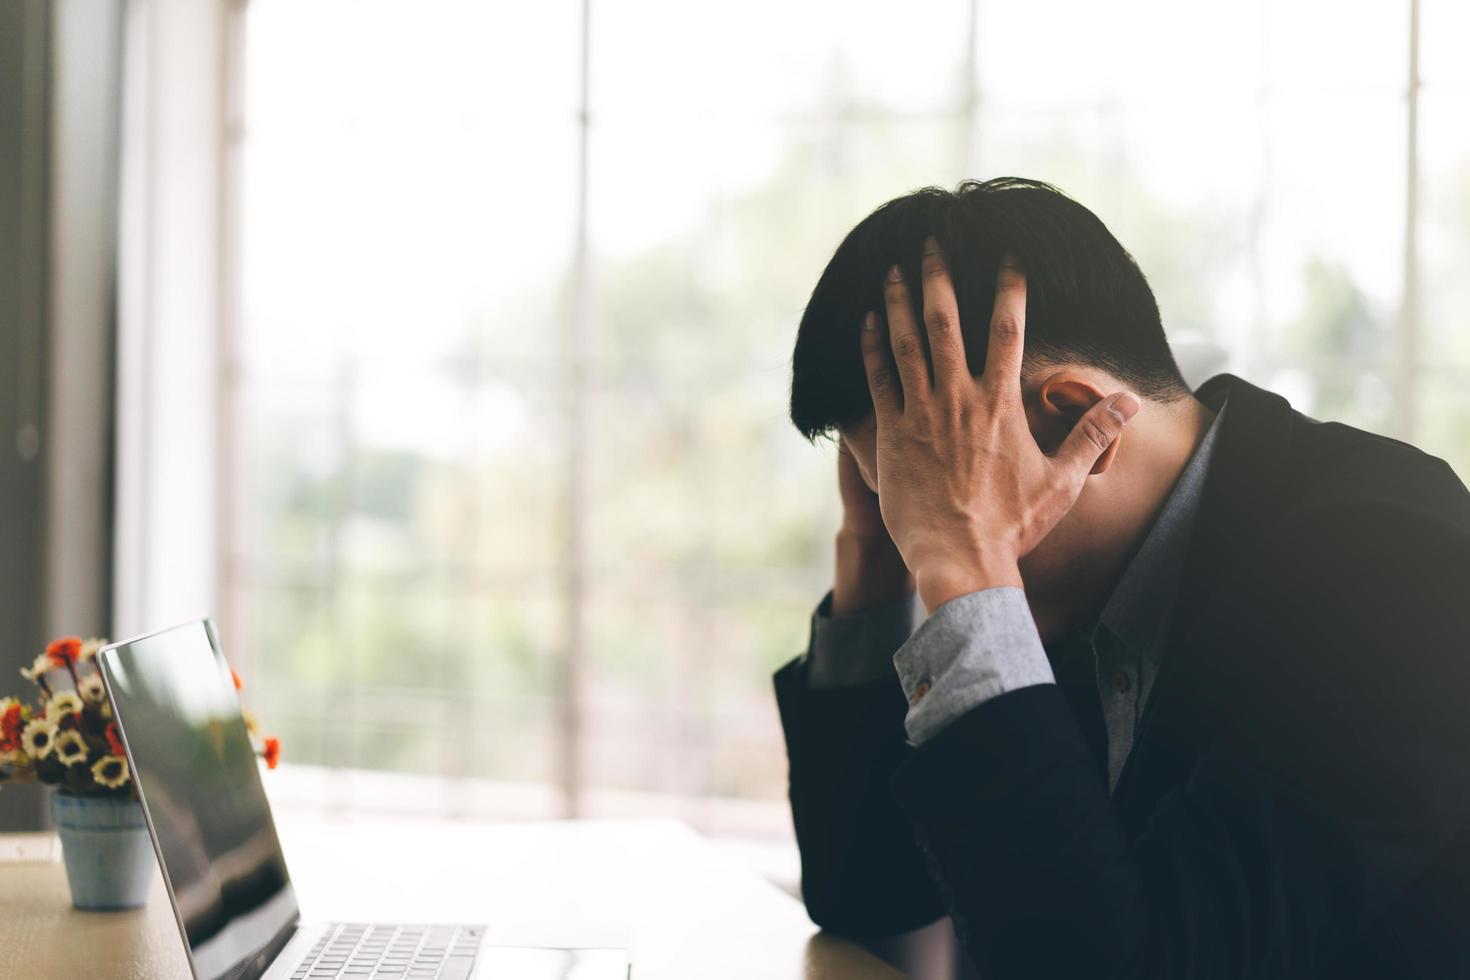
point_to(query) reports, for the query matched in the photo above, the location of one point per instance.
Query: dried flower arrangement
(68, 738)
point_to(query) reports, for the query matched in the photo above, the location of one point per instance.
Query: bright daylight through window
(482, 421)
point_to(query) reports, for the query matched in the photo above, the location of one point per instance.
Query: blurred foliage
(406, 607)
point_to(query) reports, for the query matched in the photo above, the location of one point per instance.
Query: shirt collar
(1137, 612)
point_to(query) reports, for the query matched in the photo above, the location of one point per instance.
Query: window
(514, 498)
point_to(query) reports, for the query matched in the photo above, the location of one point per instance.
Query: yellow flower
(63, 704)
(110, 771)
(39, 668)
(71, 748)
(38, 738)
(92, 689)
(89, 649)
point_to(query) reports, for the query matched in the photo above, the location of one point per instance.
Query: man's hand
(870, 571)
(964, 489)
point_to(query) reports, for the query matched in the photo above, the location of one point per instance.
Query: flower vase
(105, 846)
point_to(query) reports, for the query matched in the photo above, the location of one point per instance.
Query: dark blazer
(1297, 803)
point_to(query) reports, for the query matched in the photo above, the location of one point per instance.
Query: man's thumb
(1096, 431)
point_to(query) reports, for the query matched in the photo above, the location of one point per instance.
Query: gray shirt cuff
(968, 651)
(847, 651)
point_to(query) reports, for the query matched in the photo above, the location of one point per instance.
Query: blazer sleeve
(1330, 785)
(862, 873)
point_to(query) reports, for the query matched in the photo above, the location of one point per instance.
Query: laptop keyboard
(361, 952)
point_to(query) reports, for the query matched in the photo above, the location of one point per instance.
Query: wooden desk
(690, 911)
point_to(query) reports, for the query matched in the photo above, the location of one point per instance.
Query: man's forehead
(858, 427)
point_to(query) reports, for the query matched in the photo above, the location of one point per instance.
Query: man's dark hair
(1086, 299)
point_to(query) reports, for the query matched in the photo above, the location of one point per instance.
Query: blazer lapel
(1243, 493)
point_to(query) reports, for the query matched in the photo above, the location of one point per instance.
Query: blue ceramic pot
(105, 846)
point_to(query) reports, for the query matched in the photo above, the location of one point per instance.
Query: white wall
(82, 268)
(170, 307)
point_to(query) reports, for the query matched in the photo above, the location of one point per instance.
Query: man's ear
(1058, 403)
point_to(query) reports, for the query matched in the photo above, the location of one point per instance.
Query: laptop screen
(197, 775)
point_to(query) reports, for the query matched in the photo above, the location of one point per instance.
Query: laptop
(199, 782)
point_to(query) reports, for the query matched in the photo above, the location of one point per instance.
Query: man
(1192, 697)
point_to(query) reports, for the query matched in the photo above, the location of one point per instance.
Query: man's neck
(1150, 463)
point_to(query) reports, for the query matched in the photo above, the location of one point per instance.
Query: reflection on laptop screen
(196, 772)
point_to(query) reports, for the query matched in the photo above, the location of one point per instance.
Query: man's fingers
(882, 382)
(1094, 433)
(942, 319)
(1007, 327)
(903, 336)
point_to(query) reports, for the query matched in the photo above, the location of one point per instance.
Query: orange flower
(114, 740)
(272, 752)
(236, 678)
(11, 725)
(65, 651)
